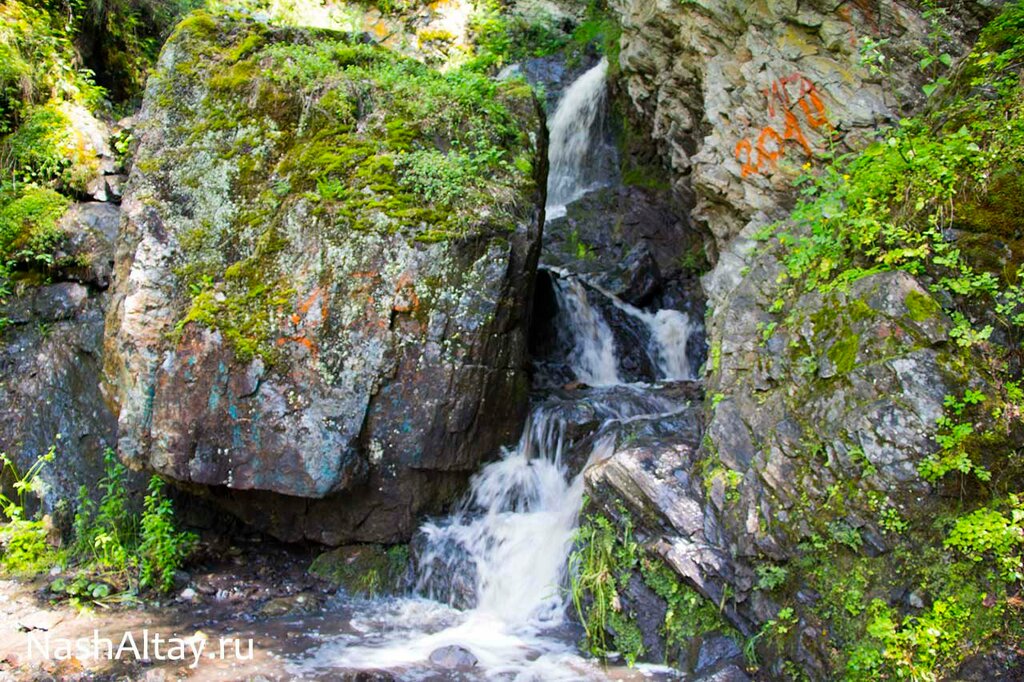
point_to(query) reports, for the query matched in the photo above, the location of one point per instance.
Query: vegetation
(934, 196)
(606, 558)
(114, 552)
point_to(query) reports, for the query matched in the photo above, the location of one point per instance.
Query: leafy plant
(162, 547)
(988, 534)
(24, 539)
(771, 576)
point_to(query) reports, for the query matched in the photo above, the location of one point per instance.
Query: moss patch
(368, 570)
(267, 124)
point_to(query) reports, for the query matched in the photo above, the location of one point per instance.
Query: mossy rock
(367, 570)
(331, 246)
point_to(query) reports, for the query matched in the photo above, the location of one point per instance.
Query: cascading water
(576, 151)
(593, 353)
(514, 531)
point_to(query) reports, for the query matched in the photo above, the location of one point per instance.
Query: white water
(517, 530)
(593, 354)
(580, 113)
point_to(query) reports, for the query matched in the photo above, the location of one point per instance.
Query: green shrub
(163, 548)
(24, 539)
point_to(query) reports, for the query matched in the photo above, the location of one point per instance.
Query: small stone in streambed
(453, 658)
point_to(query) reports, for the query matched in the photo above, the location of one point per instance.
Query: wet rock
(334, 363)
(59, 301)
(50, 364)
(714, 651)
(447, 574)
(87, 253)
(454, 658)
(648, 611)
(628, 240)
(291, 605)
(731, 673)
(365, 569)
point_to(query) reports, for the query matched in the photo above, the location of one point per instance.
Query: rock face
(814, 429)
(816, 418)
(741, 94)
(51, 360)
(322, 283)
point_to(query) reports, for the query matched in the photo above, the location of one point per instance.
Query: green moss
(46, 148)
(921, 307)
(29, 223)
(200, 24)
(647, 177)
(367, 570)
(843, 353)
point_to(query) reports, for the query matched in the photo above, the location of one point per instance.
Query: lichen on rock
(323, 277)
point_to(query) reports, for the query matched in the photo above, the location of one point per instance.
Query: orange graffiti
(301, 321)
(794, 90)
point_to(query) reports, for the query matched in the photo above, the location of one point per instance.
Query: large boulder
(323, 279)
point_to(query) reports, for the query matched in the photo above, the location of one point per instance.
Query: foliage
(605, 558)
(954, 438)
(106, 533)
(988, 534)
(933, 196)
(115, 549)
(502, 37)
(599, 567)
(38, 61)
(162, 548)
(46, 149)
(24, 538)
(770, 576)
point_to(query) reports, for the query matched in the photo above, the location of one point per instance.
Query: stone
(327, 364)
(40, 620)
(291, 605)
(50, 366)
(364, 569)
(731, 673)
(87, 253)
(454, 657)
(739, 67)
(714, 650)
(58, 302)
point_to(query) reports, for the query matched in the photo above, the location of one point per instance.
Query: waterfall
(593, 354)
(513, 532)
(575, 147)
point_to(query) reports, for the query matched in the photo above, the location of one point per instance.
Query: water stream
(577, 150)
(509, 540)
